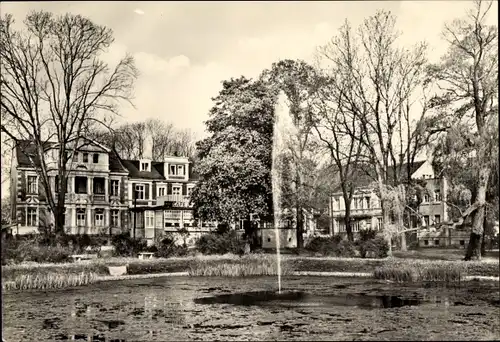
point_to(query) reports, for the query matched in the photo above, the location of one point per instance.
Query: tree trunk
(403, 234)
(347, 222)
(474, 248)
(60, 206)
(299, 226)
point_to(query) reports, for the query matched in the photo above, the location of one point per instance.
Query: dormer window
(145, 165)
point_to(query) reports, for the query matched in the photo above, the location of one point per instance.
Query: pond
(208, 309)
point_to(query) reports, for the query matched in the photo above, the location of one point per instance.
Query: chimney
(147, 153)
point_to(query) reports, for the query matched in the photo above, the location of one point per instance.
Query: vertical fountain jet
(283, 132)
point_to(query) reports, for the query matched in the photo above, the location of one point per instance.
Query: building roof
(133, 169)
(25, 149)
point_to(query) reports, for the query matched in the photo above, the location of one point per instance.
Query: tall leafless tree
(467, 101)
(375, 83)
(54, 86)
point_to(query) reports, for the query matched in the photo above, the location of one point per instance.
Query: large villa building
(106, 194)
(366, 211)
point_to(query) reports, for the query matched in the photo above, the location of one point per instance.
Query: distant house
(366, 211)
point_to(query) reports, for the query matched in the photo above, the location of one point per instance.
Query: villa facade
(106, 194)
(366, 211)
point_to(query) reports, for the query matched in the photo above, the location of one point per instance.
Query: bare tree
(375, 84)
(54, 86)
(330, 121)
(467, 100)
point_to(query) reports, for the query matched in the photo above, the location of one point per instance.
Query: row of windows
(85, 157)
(161, 191)
(173, 170)
(437, 220)
(81, 217)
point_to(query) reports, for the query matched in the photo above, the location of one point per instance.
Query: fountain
(283, 130)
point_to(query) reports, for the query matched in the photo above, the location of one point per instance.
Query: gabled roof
(25, 149)
(133, 169)
(115, 163)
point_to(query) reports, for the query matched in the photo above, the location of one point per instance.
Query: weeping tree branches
(467, 98)
(53, 85)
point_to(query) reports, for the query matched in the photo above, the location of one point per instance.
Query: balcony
(98, 198)
(358, 212)
(180, 200)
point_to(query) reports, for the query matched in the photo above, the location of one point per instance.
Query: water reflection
(299, 299)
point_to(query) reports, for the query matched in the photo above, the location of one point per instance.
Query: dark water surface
(309, 308)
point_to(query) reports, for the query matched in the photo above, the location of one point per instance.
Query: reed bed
(240, 267)
(47, 281)
(430, 271)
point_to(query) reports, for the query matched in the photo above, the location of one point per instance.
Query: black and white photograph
(249, 171)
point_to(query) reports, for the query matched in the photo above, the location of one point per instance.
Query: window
(172, 214)
(462, 242)
(115, 218)
(161, 191)
(150, 219)
(80, 217)
(426, 242)
(426, 221)
(95, 158)
(437, 195)
(144, 166)
(176, 190)
(437, 219)
(436, 242)
(268, 239)
(379, 222)
(367, 199)
(172, 170)
(85, 157)
(75, 157)
(32, 185)
(180, 169)
(140, 192)
(80, 185)
(426, 198)
(187, 215)
(115, 187)
(99, 218)
(31, 219)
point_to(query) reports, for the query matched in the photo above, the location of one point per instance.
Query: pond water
(308, 308)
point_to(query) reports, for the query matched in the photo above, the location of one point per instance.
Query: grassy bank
(395, 269)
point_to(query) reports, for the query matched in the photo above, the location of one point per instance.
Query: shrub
(167, 247)
(125, 245)
(332, 246)
(49, 281)
(214, 243)
(376, 247)
(28, 251)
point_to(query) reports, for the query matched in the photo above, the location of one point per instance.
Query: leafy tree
(54, 87)
(467, 104)
(235, 160)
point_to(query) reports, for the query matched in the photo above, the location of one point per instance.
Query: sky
(184, 50)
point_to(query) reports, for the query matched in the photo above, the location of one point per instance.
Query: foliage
(235, 160)
(332, 246)
(373, 247)
(214, 243)
(6, 211)
(125, 245)
(168, 248)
